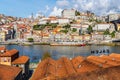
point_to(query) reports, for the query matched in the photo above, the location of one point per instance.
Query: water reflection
(35, 52)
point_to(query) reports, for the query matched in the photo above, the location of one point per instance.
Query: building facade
(104, 27)
(2, 36)
(68, 13)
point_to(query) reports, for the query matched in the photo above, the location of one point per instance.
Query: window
(17, 65)
(5, 59)
(9, 60)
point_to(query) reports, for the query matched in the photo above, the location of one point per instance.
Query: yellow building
(118, 27)
(2, 36)
(87, 37)
(9, 56)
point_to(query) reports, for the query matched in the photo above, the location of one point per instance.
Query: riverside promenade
(24, 43)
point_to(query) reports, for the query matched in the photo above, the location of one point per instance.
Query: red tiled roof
(2, 48)
(62, 67)
(21, 60)
(115, 55)
(42, 68)
(9, 53)
(8, 72)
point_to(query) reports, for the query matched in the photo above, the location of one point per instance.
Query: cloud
(99, 7)
(47, 7)
(76, 6)
(62, 3)
(56, 12)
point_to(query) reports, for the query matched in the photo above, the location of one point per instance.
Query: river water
(35, 52)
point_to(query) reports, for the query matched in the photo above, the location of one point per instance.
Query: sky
(24, 8)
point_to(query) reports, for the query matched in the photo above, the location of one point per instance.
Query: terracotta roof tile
(115, 55)
(9, 53)
(8, 72)
(50, 69)
(112, 60)
(21, 60)
(82, 65)
(42, 69)
(2, 48)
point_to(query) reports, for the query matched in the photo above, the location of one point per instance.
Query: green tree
(36, 27)
(90, 29)
(107, 32)
(39, 27)
(64, 31)
(54, 25)
(73, 21)
(91, 20)
(42, 27)
(67, 26)
(98, 21)
(30, 39)
(74, 30)
(46, 55)
(113, 34)
(77, 13)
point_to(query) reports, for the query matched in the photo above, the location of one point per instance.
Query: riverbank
(47, 43)
(105, 44)
(24, 43)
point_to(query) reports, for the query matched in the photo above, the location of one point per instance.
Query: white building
(101, 18)
(63, 21)
(77, 26)
(53, 21)
(104, 26)
(68, 13)
(43, 21)
(97, 36)
(83, 17)
(112, 17)
(84, 27)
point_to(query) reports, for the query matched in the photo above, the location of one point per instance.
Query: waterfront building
(68, 13)
(104, 27)
(87, 37)
(10, 73)
(97, 36)
(2, 49)
(11, 58)
(2, 36)
(22, 62)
